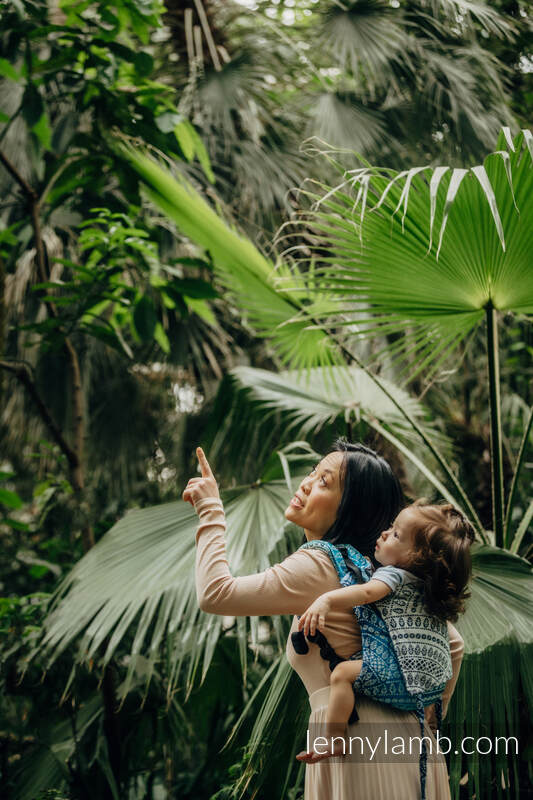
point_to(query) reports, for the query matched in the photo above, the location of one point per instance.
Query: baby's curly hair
(442, 558)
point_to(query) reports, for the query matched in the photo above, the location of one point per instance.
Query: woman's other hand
(200, 488)
(315, 616)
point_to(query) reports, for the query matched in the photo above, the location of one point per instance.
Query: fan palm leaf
(140, 578)
(430, 247)
(497, 670)
(488, 17)
(318, 397)
(364, 37)
(342, 119)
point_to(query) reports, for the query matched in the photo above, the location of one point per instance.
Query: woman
(350, 497)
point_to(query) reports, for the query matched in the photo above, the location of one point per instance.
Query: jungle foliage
(149, 154)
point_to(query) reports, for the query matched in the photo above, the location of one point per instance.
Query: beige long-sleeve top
(286, 588)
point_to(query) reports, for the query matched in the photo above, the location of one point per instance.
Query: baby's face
(394, 547)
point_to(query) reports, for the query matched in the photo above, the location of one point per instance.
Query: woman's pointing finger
(204, 464)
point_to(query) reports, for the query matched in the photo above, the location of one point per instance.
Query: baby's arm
(340, 600)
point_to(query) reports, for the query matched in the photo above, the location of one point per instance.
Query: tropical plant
(393, 81)
(90, 283)
(431, 288)
(88, 272)
(367, 74)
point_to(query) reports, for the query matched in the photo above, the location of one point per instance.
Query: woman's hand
(206, 486)
(315, 615)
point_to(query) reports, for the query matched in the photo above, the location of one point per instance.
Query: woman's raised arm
(286, 588)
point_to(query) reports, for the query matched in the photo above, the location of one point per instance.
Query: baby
(425, 558)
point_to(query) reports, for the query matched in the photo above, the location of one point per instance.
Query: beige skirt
(381, 760)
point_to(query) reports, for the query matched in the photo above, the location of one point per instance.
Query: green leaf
(141, 573)
(43, 132)
(201, 308)
(16, 524)
(321, 396)
(185, 139)
(201, 154)
(440, 296)
(522, 528)
(144, 318)
(7, 70)
(38, 571)
(10, 499)
(46, 763)
(161, 338)
(240, 265)
(4, 117)
(497, 671)
(144, 64)
(32, 105)
(193, 287)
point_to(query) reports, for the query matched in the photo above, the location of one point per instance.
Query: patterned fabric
(346, 565)
(420, 640)
(381, 676)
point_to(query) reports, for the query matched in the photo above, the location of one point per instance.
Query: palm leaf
(432, 249)
(139, 580)
(497, 669)
(364, 38)
(340, 118)
(309, 401)
(320, 395)
(489, 18)
(239, 265)
(278, 732)
(46, 764)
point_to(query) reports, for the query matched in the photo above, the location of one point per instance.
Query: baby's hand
(315, 615)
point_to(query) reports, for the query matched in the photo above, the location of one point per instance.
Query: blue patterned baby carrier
(405, 651)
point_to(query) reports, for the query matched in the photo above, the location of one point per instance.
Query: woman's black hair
(371, 499)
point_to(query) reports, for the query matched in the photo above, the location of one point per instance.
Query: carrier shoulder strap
(351, 566)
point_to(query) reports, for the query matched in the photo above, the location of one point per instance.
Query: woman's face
(314, 506)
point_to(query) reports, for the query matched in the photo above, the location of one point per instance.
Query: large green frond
(429, 249)
(309, 401)
(139, 580)
(364, 37)
(497, 669)
(239, 264)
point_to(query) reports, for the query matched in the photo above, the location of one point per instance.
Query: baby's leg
(341, 696)
(339, 709)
